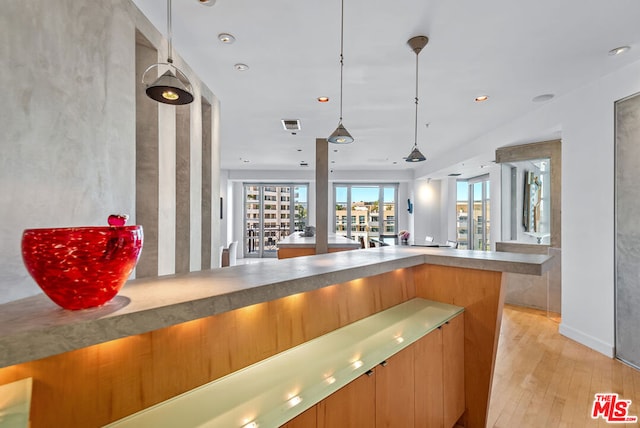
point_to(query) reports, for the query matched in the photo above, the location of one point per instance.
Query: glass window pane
(462, 214)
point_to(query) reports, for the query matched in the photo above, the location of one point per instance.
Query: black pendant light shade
(415, 156)
(340, 135)
(169, 88)
(416, 43)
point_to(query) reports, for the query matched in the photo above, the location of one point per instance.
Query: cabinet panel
(395, 393)
(352, 406)
(453, 370)
(306, 419)
(429, 411)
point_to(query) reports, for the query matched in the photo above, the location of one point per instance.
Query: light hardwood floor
(543, 379)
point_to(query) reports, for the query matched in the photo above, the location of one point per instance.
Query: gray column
(183, 188)
(206, 185)
(322, 195)
(147, 162)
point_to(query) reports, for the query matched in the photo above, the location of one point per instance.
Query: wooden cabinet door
(453, 370)
(352, 406)
(306, 419)
(395, 393)
(429, 410)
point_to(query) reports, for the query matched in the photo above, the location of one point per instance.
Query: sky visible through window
(302, 193)
(364, 194)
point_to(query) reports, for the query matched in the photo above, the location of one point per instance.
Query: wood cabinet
(395, 395)
(421, 386)
(306, 419)
(352, 406)
(429, 399)
(453, 370)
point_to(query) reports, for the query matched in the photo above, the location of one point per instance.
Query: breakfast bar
(163, 337)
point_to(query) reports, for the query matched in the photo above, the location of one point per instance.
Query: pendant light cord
(415, 130)
(341, 54)
(169, 33)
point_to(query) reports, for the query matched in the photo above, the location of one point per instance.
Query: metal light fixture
(170, 88)
(341, 135)
(416, 43)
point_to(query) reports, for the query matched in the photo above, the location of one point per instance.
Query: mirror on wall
(527, 209)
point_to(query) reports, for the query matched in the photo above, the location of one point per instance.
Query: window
(358, 209)
(473, 214)
(268, 222)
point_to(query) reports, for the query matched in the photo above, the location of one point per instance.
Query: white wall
(583, 120)
(427, 212)
(588, 208)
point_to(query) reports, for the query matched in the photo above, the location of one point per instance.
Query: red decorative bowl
(81, 267)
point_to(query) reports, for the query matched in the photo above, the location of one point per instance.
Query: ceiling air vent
(291, 124)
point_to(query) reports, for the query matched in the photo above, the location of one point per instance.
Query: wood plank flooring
(543, 379)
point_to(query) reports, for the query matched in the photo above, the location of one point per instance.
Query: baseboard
(587, 340)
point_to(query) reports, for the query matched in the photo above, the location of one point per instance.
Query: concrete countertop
(35, 327)
(335, 241)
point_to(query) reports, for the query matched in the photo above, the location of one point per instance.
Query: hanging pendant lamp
(341, 135)
(170, 88)
(416, 43)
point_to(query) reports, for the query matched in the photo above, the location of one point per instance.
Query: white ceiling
(510, 50)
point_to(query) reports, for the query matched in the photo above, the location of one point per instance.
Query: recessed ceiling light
(323, 99)
(246, 161)
(542, 98)
(619, 50)
(241, 67)
(455, 174)
(481, 98)
(226, 38)
(207, 2)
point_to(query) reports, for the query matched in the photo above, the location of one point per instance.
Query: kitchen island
(162, 337)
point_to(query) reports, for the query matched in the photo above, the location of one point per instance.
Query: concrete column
(322, 195)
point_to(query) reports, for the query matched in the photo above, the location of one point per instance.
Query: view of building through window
(271, 213)
(358, 214)
(473, 214)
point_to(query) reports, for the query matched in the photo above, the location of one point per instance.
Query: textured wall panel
(627, 215)
(183, 188)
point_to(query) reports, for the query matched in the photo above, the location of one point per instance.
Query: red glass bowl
(81, 267)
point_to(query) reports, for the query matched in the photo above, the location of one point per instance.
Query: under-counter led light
(619, 50)
(323, 99)
(399, 339)
(357, 364)
(330, 380)
(226, 38)
(294, 401)
(251, 425)
(481, 98)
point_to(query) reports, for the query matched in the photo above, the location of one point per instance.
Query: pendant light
(170, 88)
(341, 135)
(416, 43)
